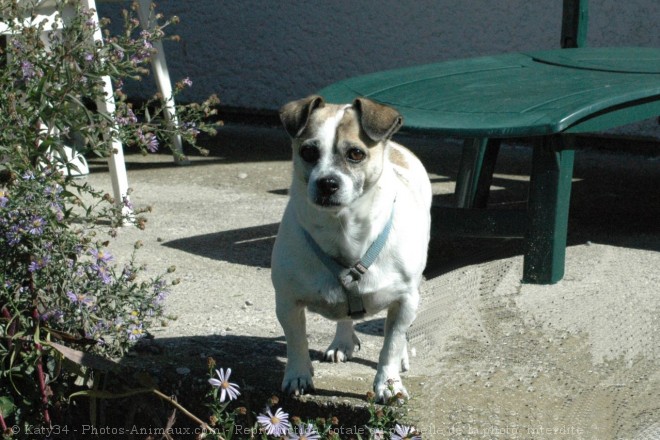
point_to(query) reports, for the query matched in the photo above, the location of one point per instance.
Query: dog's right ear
(295, 114)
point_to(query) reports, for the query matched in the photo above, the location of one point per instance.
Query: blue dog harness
(349, 277)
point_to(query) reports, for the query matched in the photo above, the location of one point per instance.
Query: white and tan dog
(353, 190)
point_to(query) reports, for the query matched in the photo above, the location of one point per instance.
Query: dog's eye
(355, 155)
(309, 154)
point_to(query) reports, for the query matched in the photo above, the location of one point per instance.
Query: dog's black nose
(327, 185)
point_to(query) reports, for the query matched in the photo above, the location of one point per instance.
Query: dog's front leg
(298, 372)
(393, 356)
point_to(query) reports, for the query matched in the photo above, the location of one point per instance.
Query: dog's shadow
(249, 246)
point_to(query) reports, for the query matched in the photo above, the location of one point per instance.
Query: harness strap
(349, 277)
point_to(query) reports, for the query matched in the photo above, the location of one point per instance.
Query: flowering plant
(62, 294)
(274, 422)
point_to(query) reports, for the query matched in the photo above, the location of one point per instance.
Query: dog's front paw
(388, 389)
(298, 384)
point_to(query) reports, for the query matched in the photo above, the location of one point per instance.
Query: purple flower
(149, 141)
(274, 424)
(127, 273)
(80, 298)
(191, 128)
(100, 256)
(127, 202)
(135, 332)
(57, 210)
(28, 70)
(227, 389)
(143, 53)
(103, 273)
(36, 225)
(13, 235)
(99, 327)
(152, 143)
(160, 291)
(3, 201)
(55, 315)
(17, 45)
(304, 432)
(53, 190)
(89, 57)
(405, 433)
(130, 118)
(38, 264)
(185, 82)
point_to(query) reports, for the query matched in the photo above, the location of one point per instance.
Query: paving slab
(491, 357)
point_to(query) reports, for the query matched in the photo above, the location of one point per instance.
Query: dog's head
(338, 150)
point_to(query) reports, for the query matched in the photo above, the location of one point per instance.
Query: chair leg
(116, 163)
(549, 200)
(162, 76)
(475, 174)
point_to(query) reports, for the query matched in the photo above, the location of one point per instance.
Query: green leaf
(108, 395)
(85, 359)
(7, 406)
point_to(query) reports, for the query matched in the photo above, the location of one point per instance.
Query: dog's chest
(323, 293)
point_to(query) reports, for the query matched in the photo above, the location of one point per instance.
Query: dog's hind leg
(298, 372)
(344, 344)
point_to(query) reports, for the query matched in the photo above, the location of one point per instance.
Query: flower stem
(41, 377)
(187, 413)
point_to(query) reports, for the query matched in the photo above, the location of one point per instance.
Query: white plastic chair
(47, 14)
(161, 75)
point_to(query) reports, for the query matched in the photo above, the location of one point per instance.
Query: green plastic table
(547, 94)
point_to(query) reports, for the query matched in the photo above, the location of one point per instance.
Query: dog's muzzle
(326, 188)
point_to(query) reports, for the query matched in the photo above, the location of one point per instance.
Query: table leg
(549, 200)
(475, 173)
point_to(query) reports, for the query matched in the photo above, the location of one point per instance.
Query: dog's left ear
(295, 114)
(378, 121)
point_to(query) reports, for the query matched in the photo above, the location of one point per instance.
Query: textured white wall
(261, 53)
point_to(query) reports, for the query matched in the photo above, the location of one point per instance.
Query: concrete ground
(491, 358)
